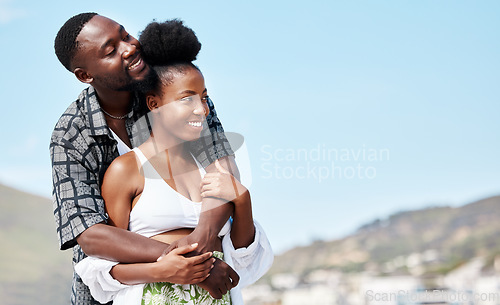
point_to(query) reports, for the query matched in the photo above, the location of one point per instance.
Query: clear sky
(350, 110)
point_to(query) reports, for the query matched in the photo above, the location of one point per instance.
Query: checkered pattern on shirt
(81, 150)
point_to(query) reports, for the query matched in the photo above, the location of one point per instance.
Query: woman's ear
(83, 76)
(152, 101)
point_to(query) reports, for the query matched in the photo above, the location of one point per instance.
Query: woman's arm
(224, 185)
(242, 229)
(173, 268)
(214, 213)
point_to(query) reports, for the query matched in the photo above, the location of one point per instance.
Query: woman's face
(182, 106)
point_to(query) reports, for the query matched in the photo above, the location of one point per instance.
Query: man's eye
(111, 52)
(127, 37)
(187, 99)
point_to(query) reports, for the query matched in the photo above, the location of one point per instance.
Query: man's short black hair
(65, 43)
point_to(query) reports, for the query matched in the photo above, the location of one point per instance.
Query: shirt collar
(95, 117)
(92, 110)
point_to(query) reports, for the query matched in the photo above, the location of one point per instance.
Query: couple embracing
(145, 186)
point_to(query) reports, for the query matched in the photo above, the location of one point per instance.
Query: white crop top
(121, 146)
(160, 208)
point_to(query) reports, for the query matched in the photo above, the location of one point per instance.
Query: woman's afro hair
(65, 43)
(169, 42)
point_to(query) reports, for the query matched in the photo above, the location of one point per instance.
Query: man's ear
(152, 101)
(83, 76)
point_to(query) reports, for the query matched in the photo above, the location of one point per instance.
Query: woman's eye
(205, 99)
(126, 37)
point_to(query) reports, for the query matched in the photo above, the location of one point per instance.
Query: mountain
(33, 269)
(423, 242)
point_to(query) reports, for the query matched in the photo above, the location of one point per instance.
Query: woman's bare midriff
(171, 236)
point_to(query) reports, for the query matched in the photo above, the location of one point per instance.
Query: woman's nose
(200, 108)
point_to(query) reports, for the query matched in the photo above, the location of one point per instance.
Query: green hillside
(433, 240)
(33, 269)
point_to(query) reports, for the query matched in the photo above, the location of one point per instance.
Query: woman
(155, 190)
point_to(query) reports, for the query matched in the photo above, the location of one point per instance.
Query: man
(102, 54)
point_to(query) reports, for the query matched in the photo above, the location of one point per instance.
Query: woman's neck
(176, 149)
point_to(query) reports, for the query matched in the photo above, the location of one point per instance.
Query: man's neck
(115, 102)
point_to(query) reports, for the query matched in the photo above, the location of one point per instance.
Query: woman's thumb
(220, 167)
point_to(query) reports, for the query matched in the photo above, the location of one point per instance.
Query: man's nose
(129, 50)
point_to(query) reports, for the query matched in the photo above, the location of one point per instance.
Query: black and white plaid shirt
(81, 149)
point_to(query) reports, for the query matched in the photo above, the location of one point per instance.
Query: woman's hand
(222, 185)
(174, 267)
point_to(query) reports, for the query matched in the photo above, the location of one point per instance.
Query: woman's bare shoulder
(124, 164)
(123, 169)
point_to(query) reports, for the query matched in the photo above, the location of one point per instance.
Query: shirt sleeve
(94, 273)
(213, 143)
(251, 262)
(76, 194)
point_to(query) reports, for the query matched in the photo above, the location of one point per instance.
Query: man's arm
(119, 245)
(77, 160)
(105, 241)
(80, 214)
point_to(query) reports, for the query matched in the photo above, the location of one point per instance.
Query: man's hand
(221, 279)
(218, 283)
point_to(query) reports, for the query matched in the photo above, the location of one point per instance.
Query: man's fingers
(229, 286)
(200, 279)
(235, 278)
(216, 295)
(222, 292)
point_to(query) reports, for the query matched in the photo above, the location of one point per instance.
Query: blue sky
(351, 110)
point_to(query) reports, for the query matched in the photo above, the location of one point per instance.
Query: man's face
(110, 56)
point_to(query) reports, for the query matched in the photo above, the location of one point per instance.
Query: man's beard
(145, 85)
(128, 84)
